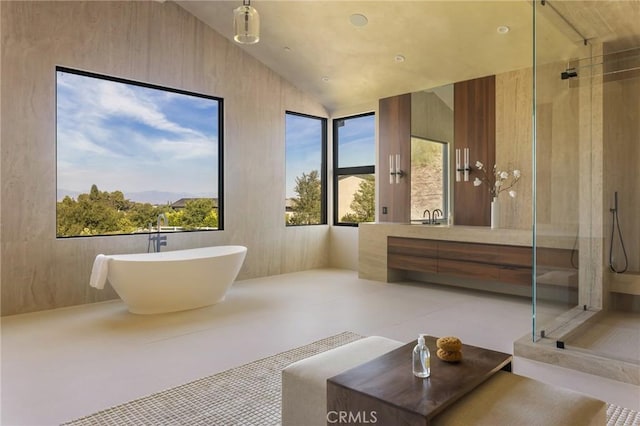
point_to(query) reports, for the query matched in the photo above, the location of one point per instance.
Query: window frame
(220, 148)
(346, 171)
(323, 165)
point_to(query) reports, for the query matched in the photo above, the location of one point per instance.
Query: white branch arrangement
(498, 180)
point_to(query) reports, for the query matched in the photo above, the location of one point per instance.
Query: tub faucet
(161, 219)
(436, 214)
(159, 240)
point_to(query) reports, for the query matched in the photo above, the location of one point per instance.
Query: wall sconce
(395, 173)
(464, 167)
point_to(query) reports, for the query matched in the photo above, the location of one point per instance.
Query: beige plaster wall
(162, 44)
(513, 144)
(590, 184)
(621, 122)
(558, 135)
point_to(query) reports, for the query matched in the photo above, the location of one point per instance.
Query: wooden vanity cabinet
(504, 263)
(412, 254)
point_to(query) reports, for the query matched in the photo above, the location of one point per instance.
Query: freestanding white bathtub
(152, 283)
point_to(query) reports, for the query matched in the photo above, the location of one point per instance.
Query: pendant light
(246, 24)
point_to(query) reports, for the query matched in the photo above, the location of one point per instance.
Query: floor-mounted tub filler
(153, 283)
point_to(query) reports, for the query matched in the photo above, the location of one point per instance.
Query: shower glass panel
(586, 198)
(613, 333)
(563, 183)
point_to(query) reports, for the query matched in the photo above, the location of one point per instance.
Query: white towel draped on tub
(99, 271)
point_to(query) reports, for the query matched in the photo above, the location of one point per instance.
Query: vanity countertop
(472, 234)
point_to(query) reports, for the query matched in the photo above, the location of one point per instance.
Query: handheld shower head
(615, 223)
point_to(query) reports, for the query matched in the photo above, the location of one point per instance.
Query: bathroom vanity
(497, 260)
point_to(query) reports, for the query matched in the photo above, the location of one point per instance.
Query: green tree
(117, 201)
(196, 211)
(94, 193)
(363, 204)
(175, 218)
(308, 204)
(125, 225)
(98, 213)
(142, 214)
(68, 218)
(212, 219)
(90, 214)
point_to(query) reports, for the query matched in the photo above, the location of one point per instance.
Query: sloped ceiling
(313, 44)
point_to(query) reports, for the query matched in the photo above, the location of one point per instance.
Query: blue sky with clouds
(304, 146)
(357, 143)
(132, 138)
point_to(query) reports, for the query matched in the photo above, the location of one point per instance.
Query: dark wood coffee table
(385, 389)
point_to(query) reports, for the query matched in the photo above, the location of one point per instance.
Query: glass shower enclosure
(586, 226)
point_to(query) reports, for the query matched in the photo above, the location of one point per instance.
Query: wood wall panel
(158, 43)
(474, 128)
(394, 135)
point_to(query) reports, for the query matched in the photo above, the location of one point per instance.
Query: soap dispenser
(421, 359)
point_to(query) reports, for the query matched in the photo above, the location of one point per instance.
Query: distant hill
(152, 197)
(161, 197)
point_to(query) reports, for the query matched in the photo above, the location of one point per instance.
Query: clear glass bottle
(421, 359)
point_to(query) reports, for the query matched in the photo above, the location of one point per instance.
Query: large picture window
(354, 169)
(306, 170)
(128, 152)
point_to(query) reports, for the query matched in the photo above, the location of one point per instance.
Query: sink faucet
(436, 214)
(426, 214)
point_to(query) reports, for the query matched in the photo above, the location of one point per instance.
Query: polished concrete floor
(62, 364)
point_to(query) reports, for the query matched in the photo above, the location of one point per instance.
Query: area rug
(245, 395)
(618, 416)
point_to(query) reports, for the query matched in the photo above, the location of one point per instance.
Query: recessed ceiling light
(325, 79)
(358, 20)
(503, 29)
(399, 58)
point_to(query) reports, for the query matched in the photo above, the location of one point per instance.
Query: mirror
(431, 143)
(429, 181)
